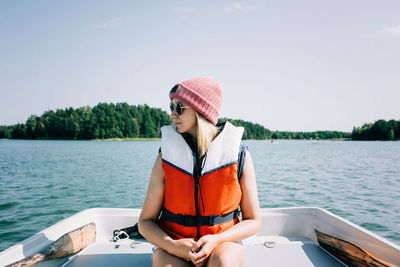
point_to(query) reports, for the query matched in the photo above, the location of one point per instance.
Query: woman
(191, 208)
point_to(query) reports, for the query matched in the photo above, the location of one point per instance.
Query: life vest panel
(218, 190)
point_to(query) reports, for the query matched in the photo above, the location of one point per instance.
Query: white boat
(287, 238)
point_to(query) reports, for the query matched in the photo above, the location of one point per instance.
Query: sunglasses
(177, 107)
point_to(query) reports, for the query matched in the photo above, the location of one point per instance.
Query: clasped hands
(197, 252)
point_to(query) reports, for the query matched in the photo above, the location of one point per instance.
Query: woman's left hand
(203, 248)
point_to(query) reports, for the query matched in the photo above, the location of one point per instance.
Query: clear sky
(288, 65)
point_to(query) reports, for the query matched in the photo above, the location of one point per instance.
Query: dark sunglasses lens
(178, 108)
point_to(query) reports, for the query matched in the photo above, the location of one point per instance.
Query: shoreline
(128, 139)
(159, 139)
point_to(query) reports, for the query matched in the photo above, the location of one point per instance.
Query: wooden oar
(349, 253)
(68, 244)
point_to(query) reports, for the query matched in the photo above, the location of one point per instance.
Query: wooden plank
(70, 243)
(348, 252)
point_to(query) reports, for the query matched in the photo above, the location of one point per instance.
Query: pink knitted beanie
(203, 94)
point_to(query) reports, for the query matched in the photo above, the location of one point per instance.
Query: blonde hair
(206, 132)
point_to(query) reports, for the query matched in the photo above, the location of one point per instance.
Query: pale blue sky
(288, 65)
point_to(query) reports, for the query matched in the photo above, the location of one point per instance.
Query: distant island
(124, 121)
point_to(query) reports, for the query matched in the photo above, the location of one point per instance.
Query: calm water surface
(42, 182)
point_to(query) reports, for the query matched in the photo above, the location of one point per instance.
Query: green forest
(121, 120)
(103, 121)
(259, 132)
(379, 130)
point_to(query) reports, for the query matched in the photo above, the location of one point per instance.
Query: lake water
(42, 182)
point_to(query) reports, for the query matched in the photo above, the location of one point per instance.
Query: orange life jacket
(200, 201)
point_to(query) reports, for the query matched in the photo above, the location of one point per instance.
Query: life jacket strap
(189, 220)
(241, 159)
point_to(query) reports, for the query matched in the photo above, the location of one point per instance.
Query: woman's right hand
(182, 248)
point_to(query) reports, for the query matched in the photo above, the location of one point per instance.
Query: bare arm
(148, 226)
(152, 206)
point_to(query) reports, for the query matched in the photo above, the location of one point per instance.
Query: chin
(179, 129)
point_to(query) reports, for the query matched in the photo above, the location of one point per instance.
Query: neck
(193, 133)
(193, 137)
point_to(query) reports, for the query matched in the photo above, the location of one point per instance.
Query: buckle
(236, 214)
(211, 220)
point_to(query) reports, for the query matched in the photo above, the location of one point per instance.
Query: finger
(198, 245)
(193, 257)
(201, 241)
(190, 240)
(194, 247)
(201, 261)
(198, 262)
(202, 254)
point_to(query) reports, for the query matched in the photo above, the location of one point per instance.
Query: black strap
(131, 231)
(188, 220)
(241, 159)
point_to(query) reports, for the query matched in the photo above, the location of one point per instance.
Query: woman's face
(186, 122)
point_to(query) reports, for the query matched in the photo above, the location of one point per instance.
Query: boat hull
(287, 238)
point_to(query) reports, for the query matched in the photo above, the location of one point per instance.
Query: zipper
(202, 162)
(196, 186)
(197, 175)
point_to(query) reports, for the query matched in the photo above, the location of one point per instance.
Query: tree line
(103, 121)
(379, 130)
(259, 132)
(121, 120)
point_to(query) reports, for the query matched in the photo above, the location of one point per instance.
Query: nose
(174, 115)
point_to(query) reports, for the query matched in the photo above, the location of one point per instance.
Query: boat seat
(293, 254)
(286, 251)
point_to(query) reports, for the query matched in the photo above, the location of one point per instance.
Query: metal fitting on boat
(269, 244)
(118, 235)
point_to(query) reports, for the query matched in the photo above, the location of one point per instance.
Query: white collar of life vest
(223, 150)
